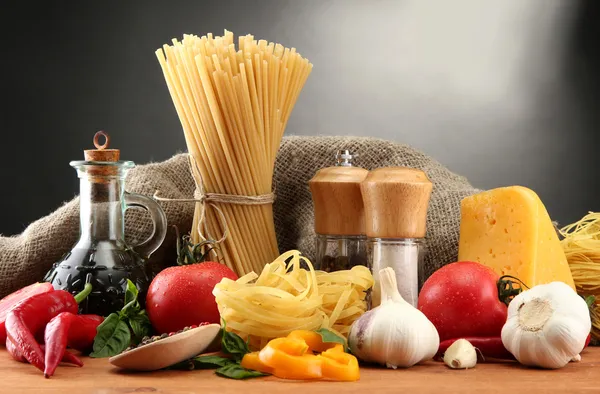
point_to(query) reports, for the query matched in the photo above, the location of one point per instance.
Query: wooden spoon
(168, 351)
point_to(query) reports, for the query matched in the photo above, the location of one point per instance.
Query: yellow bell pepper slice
(288, 358)
(313, 340)
(291, 358)
(252, 361)
(338, 347)
(338, 365)
(306, 367)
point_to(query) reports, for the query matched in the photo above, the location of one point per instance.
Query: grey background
(501, 91)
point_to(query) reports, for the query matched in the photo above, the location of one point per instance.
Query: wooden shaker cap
(101, 153)
(338, 201)
(396, 201)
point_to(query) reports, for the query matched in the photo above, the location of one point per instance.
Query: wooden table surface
(99, 377)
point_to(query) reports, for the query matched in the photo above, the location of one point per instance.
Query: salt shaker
(339, 215)
(396, 201)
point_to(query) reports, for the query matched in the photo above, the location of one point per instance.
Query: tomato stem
(190, 253)
(507, 290)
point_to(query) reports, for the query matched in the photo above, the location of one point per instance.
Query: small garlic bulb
(461, 355)
(546, 326)
(395, 333)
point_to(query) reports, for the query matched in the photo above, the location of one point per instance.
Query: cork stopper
(337, 199)
(101, 153)
(396, 201)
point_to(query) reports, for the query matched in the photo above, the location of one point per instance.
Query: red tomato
(182, 296)
(461, 300)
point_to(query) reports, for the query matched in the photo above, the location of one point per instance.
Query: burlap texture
(25, 258)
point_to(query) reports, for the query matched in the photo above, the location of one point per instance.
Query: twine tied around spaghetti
(204, 198)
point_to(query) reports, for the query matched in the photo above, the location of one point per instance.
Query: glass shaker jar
(339, 215)
(101, 256)
(396, 201)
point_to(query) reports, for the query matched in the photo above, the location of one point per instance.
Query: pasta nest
(287, 297)
(581, 245)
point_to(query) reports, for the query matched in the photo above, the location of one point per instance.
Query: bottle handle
(159, 222)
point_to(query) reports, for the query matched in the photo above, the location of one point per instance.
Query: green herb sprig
(114, 335)
(329, 337)
(228, 367)
(235, 348)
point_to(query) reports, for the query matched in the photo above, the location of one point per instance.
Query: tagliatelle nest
(581, 245)
(286, 297)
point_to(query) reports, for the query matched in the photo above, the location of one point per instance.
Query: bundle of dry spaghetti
(581, 244)
(233, 106)
(286, 297)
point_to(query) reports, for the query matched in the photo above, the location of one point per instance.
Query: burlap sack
(25, 258)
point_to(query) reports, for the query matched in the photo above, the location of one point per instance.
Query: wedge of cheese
(509, 230)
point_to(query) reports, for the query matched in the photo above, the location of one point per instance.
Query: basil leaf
(186, 365)
(140, 326)
(112, 337)
(132, 306)
(202, 362)
(210, 362)
(589, 300)
(233, 344)
(137, 329)
(130, 310)
(131, 292)
(329, 337)
(235, 371)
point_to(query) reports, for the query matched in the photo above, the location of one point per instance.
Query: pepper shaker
(396, 201)
(339, 215)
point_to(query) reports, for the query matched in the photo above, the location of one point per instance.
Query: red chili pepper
(14, 352)
(33, 314)
(9, 302)
(587, 340)
(69, 357)
(78, 331)
(82, 337)
(489, 347)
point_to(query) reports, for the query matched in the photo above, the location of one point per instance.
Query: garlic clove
(461, 355)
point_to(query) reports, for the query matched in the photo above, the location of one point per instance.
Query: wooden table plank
(99, 377)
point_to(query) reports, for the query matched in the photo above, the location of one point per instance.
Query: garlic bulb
(461, 354)
(395, 333)
(546, 326)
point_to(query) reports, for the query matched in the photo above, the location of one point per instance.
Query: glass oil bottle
(101, 256)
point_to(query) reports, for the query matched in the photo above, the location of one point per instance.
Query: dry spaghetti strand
(233, 106)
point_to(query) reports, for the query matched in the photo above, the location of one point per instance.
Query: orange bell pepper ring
(288, 358)
(306, 367)
(251, 361)
(314, 340)
(337, 365)
(292, 358)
